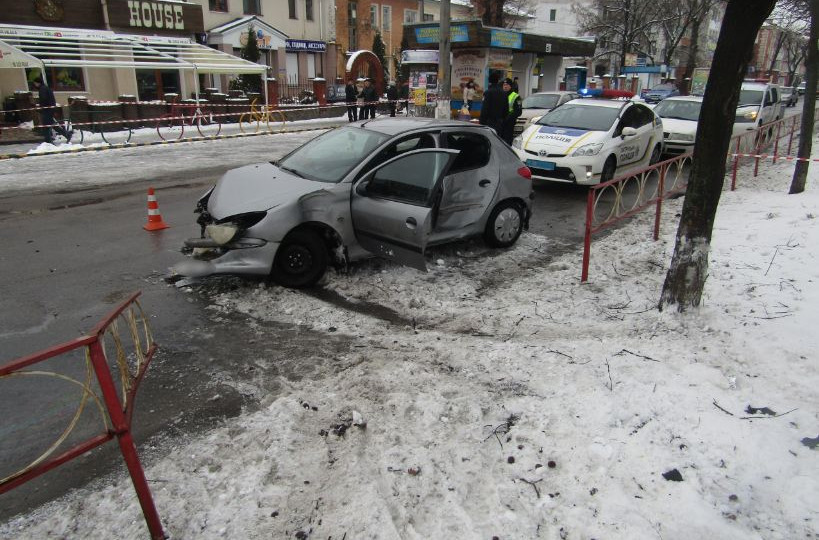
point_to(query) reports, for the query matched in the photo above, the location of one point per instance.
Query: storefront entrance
(155, 83)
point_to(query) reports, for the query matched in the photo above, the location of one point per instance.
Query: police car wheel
(608, 169)
(655, 155)
(504, 225)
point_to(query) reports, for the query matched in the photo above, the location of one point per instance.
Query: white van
(759, 103)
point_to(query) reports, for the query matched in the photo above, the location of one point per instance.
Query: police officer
(515, 110)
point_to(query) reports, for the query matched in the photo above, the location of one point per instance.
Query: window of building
(308, 10)
(374, 15)
(428, 17)
(252, 7)
(353, 39)
(386, 18)
(352, 13)
(292, 65)
(410, 16)
(291, 5)
(311, 66)
(218, 5)
(552, 15)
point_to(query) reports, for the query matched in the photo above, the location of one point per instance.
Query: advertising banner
(468, 66)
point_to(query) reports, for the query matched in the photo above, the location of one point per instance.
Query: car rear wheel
(608, 169)
(300, 261)
(504, 225)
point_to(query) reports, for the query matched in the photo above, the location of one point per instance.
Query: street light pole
(442, 109)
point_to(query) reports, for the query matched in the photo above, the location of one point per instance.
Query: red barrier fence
(131, 359)
(611, 202)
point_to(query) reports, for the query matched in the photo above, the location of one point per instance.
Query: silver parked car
(389, 188)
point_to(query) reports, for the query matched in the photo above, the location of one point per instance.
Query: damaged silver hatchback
(388, 188)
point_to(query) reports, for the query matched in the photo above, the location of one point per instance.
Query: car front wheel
(655, 155)
(504, 225)
(608, 169)
(300, 261)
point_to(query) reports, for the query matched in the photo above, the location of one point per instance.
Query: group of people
(361, 104)
(501, 106)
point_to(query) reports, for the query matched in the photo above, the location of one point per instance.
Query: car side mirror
(628, 132)
(361, 187)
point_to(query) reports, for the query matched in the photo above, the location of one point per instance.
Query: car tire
(300, 261)
(609, 169)
(504, 225)
(655, 155)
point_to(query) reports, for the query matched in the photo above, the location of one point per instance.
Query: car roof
(394, 126)
(592, 102)
(752, 85)
(684, 98)
(553, 92)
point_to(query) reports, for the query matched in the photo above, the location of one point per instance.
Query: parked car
(801, 87)
(587, 141)
(680, 115)
(759, 103)
(389, 187)
(538, 104)
(789, 96)
(659, 93)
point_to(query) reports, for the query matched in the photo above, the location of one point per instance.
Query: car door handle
(411, 223)
(484, 183)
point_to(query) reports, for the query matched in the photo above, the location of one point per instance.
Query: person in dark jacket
(48, 104)
(392, 97)
(495, 105)
(515, 110)
(370, 98)
(350, 95)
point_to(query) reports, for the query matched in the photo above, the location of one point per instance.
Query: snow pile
(496, 396)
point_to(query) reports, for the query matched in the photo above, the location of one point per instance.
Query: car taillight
(525, 172)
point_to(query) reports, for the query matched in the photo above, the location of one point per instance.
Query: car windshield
(681, 110)
(750, 97)
(330, 157)
(581, 117)
(663, 88)
(541, 101)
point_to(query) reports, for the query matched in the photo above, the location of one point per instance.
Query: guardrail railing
(116, 354)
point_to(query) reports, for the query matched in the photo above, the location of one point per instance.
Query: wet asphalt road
(72, 252)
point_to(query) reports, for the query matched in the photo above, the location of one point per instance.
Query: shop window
(252, 7)
(291, 6)
(386, 18)
(218, 5)
(308, 10)
(66, 79)
(154, 84)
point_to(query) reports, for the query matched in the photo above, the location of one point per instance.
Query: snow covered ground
(514, 402)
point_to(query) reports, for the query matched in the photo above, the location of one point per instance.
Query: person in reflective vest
(515, 110)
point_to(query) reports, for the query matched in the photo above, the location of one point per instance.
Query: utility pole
(442, 106)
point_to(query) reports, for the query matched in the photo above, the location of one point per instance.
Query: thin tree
(251, 82)
(686, 276)
(380, 51)
(800, 172)
(685, 17)
(512, 14)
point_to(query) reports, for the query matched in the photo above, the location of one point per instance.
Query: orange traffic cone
(155, 222)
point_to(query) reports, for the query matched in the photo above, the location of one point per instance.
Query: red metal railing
(622, 197)
(131, 361)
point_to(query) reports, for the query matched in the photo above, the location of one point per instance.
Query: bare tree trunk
(686, 276)
(800, 172)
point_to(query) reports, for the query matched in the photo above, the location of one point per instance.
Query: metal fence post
(661, 196)
(126, 441)
(587, 236)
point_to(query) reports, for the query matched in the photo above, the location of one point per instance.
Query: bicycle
(113, 132)
(171, 126)
(76, 132)
(257, 116)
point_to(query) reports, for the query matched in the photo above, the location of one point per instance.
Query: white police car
(587, 141)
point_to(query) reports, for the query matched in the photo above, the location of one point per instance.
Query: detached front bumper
(248, 256)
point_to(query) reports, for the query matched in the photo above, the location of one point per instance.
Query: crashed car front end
(228, 245)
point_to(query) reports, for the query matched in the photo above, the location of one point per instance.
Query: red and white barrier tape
(773, 156)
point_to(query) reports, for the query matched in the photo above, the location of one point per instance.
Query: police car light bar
(605, 93)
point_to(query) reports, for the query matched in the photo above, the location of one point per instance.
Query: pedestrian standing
(350, 95)
(469, 94)
(369, 98)
(515, 109)
(392, 97)
(495, 105)
(47, 105)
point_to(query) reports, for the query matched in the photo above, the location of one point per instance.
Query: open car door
(393, 206)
